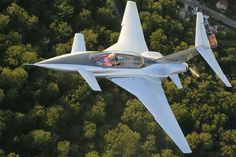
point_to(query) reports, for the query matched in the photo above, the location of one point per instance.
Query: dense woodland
(45, 113)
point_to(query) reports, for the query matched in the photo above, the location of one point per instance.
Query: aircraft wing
(131, 36)
(151, 94)
(179, 57)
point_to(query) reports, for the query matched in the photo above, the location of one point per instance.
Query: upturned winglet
(203, 47)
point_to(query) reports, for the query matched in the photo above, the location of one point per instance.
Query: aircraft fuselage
(125, 65)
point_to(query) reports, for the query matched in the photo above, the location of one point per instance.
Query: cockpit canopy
(127, 60)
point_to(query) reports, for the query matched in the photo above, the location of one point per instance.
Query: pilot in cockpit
(113, 59)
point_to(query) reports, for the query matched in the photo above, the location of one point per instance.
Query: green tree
(2, 126)
(122, 141)
(89, 129)
(61, 30)
(63, 148)
(228, 143)
(92, 154)
(158, 41)
(53, 115)
(106, 17)
(149, 145)
(43, 141)
(20, 54)
(97, 113)
(13, 78)
(1, 95)
(4, 20)
(84, 18)
(13, 155)
(90, 38)
(2, 153)
(62, 48)
(201, 142)
(137, 116)
(14, 38)
(21, 15)
(167, 153)
(63, 8)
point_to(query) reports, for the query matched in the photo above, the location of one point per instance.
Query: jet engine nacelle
(179, 68)
(165, 70)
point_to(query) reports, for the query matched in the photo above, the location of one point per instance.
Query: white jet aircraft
(130, 65)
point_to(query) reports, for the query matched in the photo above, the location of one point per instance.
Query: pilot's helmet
(111, 56)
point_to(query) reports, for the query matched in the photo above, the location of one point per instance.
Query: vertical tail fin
(203, 47)
(78, 43)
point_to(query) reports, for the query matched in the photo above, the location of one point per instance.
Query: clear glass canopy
(128, 60)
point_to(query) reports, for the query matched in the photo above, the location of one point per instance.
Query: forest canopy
(48, 113)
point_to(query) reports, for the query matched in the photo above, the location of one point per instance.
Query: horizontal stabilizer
(175, 78)
(78, 43)
(209, 57)
(90, 79)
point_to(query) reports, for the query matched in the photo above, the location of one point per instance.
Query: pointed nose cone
(54, 60)
(43, 63)
(49, 63)
(67, 62)
(57, 63)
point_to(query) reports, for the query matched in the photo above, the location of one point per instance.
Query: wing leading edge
(151, 94)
